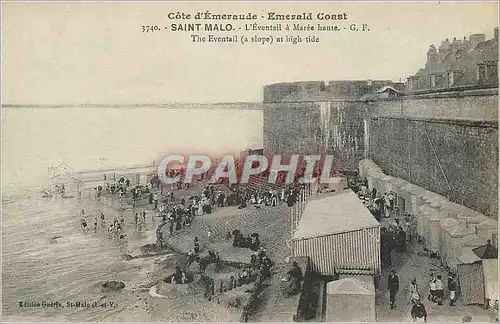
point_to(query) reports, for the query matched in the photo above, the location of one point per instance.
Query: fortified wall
(318, 116)
(442, 134)
(446, 142)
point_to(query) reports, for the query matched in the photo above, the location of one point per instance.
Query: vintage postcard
(249, 161)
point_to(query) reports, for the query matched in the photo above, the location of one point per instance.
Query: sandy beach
(61, 263)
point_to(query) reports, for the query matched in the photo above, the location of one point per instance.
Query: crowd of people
(436, 293)
(116, 229)
(393, 238)
(396, 235)
(251, 241)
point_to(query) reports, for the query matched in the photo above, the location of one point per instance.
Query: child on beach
(111, 230)
(84, 225)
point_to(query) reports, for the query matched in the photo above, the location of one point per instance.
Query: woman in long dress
(413, 291)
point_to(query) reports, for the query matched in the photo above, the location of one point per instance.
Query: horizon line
(131, 105)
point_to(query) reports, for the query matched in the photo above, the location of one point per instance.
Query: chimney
(476, 39)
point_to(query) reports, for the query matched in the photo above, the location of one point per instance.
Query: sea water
(36, 266)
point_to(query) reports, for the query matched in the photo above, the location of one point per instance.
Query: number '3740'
(148, 29)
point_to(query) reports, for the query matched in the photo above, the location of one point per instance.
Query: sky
(78, 53)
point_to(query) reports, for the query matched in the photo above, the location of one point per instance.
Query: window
(481, 73)
(450, 79)
(492, 73)
(433, 80)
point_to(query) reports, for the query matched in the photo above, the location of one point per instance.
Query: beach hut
(426, 195)
(438, 202)
(450, 241)
(431, 229)
(489, 256)
(486, 228)
(452, 209)
(473, 219)
(415, 198)
(406, 194)
(350, 300)
(363, 168)
(338, 231)
(436, 198)
(397, 185)
(490, 275)
(375, 181)
(478, 274)
(387, 183)
(470, 277)
(422, 211)
(472, 241)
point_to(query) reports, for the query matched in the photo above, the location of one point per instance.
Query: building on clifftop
(459, 64)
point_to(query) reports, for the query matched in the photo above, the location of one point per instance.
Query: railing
(303, 197)
(450, 89)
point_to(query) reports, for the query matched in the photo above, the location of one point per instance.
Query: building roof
(386, 89)
(350, 286)
(459, 57)
(338, 213)
(486, 251)
(488, 223)
(453, 227)
(473, 241)
(468, 257)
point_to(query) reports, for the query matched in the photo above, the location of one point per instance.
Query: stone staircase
(260, 183)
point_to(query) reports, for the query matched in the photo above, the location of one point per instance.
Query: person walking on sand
(414, 293)
(439, 290)
(84, 225)
(196, 246)
(209, 232)
(171, 226)
(432, 289)
(95, 225)
(393, 285)
(452, 287)
(103, 221)
(418, 311)
(111, 230)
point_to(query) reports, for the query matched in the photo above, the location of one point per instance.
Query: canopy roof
(487, 251)
(333, 214)
(468, 257)
(350, 286)
(489, 223)
(453, 227)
